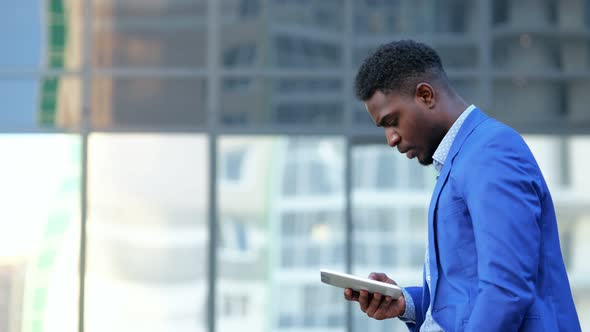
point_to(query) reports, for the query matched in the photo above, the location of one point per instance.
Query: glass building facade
(190, 165)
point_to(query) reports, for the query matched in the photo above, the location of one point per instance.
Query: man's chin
(425, 161)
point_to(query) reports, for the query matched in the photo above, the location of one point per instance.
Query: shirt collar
(442, 151)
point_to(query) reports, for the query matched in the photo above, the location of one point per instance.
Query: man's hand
(376, 305)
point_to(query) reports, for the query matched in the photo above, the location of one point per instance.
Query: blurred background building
(190, 165)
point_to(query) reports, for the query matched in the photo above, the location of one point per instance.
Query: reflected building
(147, 233)
(307, 215)
(60, 99)
(282, 199)
(12, 275)
(39, 249)
(264, 43)
(245, 241)
(287, 36)
(159, 34)
(539, 52)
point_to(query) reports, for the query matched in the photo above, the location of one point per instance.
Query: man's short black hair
(398, 66)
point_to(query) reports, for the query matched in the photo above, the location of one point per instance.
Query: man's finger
(387, 301)
(383, 310)
(374, 305)
(351, 295)
(364, 300)
(379, 276)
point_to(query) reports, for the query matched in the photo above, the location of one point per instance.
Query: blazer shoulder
(493, 133)
(493, 142)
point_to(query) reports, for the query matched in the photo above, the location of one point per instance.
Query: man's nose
(393, 138)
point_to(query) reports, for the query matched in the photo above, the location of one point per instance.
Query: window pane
(41, 34)
(147, 233)
(284, 33)
(286, 101)
(541, 58)
(273, 241)
(149, 33)
(148, 101)
(564, 162)
(384, 17)
(541, 103)
(49, 102)
(458, 56)
(522, 101)
(39, 232)
(469, 90)
(390, 198)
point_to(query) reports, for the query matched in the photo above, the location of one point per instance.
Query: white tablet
(344, 280)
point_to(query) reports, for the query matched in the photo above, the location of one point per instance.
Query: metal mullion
(253, 130)
(213, 224)
(286, 130)
(484, 11)
(151, 72)
(86, 49)
(440, 39)
(281, 73)
(36, 130)
(565, 158)
(9, 73)
(348, 240)
(154, 129)
(463, 73)
(361, 133)
(348, 49)
(213, 54)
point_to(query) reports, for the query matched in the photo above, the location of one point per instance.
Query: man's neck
(454, 107)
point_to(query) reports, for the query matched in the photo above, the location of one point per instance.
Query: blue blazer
(494, 248)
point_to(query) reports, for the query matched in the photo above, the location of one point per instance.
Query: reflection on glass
(390, 201)
(579, 184)
(233, 11)
(469, 90)
(304, 52)
(577, 101)
(322, 15)
(458, 57)
(281, 220)
(379, 167)
(148, 101)
(147, 233)
(564, 162)
(149, 34)
(522, 100)
(53, 102)
(414, 16)
(288, 101)
(327, 14)
(39, 233)
(285, 33)
(41, 33)
(542, 38)
(526, 52)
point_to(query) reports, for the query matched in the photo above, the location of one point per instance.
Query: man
(493, 261)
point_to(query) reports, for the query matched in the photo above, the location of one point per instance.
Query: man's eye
(392, 123)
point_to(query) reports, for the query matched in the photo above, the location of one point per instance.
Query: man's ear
(425, 95)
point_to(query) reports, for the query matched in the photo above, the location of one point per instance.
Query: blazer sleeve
(503, 193)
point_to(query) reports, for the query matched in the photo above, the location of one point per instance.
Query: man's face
(409, 123)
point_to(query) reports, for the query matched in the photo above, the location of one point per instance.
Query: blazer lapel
(473, 120)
